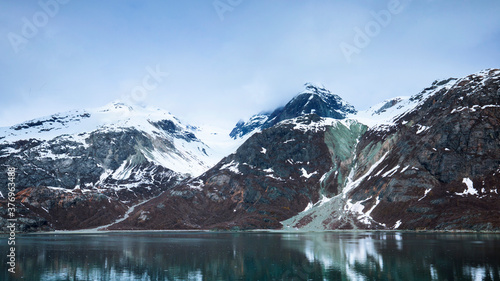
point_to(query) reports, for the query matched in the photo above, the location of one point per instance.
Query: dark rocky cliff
(437, 167)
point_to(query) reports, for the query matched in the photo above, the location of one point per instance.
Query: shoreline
(276, 231)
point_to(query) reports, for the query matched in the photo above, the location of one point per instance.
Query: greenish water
(255, 256)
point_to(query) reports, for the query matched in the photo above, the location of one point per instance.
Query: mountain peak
(313, 100)
(118, 105)
(148, 134)
(316, 89)
(327, 97)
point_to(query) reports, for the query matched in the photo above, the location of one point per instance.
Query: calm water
(255, 256)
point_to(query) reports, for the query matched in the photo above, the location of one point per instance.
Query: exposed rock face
(65, 163)
(67, 210)
(437, 167)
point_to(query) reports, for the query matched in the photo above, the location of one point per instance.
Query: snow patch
(404, 169)
(381, 170)
(308, 207)
(474, 108)
(350, 185)
(425, 193)
(397, 225)
(470, 188)
(323, 177)
(60, 189)
(123, 172)
(307, 175)
(422, 129)
(391, 172)
(358, 207)
(268, 170)
(233, 167)
(274, 177)
(196, 184)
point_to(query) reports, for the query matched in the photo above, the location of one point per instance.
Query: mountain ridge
(78, 125)
(342, 174)
(304, 172)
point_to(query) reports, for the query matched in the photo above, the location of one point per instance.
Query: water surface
(255, 256)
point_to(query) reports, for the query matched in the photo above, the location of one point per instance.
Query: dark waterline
(255, 256)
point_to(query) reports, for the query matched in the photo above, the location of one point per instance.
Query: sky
(216, 62)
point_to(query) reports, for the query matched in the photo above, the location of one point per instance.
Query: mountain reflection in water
(256, 256)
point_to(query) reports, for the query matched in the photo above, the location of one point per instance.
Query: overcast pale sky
(229, 59)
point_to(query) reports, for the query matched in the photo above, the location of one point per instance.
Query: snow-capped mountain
(313, 100)
(110, 157)
(427, 161)
(320, 101)
(172, 144)
(386, 112)
(119, 153)
(430, 161)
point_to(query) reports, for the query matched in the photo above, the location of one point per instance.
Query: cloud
(257, 58)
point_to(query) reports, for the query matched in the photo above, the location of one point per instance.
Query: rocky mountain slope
(73, 164)
(436, 166)
(271, 177)
(430, 161)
